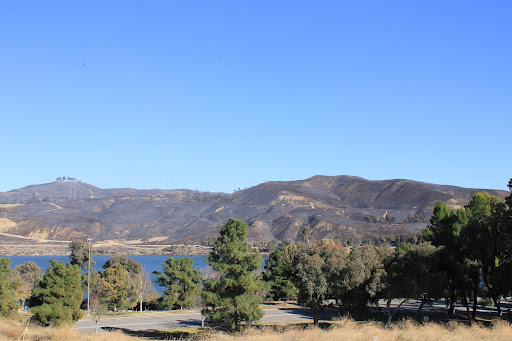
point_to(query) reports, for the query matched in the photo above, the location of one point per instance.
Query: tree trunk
(390, 317)
(475, 301)
(388, 311)
(141, 304)
(418, 312)
(498, 306)
(466, 304)
(452, 303)
(315, 317)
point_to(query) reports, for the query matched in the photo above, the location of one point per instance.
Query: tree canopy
(56, 299)
(234, 297)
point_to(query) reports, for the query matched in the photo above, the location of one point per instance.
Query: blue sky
(220, 95)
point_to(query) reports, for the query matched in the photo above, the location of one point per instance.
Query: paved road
(174, 320)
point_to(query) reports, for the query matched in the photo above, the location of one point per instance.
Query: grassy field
(343, 329)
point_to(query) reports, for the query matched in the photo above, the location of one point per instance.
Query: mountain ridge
(339, 207)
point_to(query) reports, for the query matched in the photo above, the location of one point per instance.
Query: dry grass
(13, 330)
(345, 329)
(352, 331)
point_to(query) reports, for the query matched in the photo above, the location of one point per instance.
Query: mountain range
(338, 207)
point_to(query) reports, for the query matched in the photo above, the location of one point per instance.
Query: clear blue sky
(217, 95)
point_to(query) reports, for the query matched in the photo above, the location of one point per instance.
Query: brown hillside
(339, 207)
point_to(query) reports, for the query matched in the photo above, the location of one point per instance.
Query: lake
(150, 263)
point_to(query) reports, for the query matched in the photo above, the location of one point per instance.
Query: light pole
(89, 240)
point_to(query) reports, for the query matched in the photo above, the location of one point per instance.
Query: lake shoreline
(104, 249)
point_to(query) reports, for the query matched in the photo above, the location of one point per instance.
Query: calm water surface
(150, 263)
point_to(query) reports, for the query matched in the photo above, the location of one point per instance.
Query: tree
(487, 240)
(134, 274)
(56, 299)
(234, 297)
(79, 254)
(29, 274)
(416, 274)
(362, 279)
(182, 283)
(316, 268)
(113, 288)
(8, 302)
(141, 285)
(278, 273)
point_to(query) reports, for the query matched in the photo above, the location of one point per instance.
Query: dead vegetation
(344, 329)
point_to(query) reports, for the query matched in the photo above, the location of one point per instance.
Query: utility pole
(89, 240)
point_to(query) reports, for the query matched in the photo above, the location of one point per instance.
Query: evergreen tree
(234, 297)
(278, 273)
(8, 302)
(316, 269)
(182, 283)
(79, 254)
(56, 299)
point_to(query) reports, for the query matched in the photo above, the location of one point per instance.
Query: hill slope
(339, 207)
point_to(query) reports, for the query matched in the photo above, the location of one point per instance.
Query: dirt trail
(53, 209)
(40, 240)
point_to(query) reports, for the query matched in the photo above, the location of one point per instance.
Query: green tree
(182, 283)
(8, 302)
(415, 273)
(316, 268)
(79, 254)
(113, 288)
(234, 297)
(362, 279)
(278, 273)
(56, 299)
(487, 240)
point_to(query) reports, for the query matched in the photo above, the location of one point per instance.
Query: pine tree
(234, 297)
(182, 282)
(79, 254)
(8, 302)
(278, 273)
(56, 299)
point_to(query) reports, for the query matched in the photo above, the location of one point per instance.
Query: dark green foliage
(182, 283)
(361, 280)
(278, 274)
(487, 240)
(56, 299)
(79, 254)
(415, 273)
(128, 264)
(415, 218)
(8, 302)
(316, 269)
(234, 297)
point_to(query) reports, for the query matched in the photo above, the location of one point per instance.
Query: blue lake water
(150, 263)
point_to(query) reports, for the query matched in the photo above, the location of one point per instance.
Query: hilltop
(338, 207)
